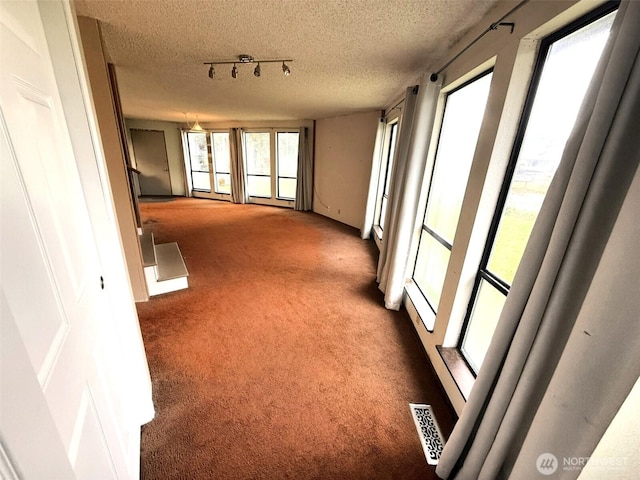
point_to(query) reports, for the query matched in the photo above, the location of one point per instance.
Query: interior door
(62, 408)
(150, 151)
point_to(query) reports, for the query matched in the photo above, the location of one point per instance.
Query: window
(287, 164)
(199, 159)
(221, 162)
(565, 66)
(257, 147)
(387, 166)
(271, 165)
(461, 122)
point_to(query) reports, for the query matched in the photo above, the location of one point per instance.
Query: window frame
(273, 199)
(423, 227)
(214, 168)
(388, 154)
(191, 170)
(482, 272)
(278, 176)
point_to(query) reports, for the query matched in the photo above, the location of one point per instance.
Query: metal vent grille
(428, 431)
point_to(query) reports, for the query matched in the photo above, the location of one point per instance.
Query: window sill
(458, 368)
(377, 236)
(425, 312)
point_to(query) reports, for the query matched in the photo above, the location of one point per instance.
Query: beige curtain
(304, 185)
(238, 194)
(566, 351)
(406, 180)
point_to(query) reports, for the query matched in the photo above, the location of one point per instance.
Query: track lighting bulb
(244, 59)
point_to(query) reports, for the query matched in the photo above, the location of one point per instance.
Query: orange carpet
(279, 361)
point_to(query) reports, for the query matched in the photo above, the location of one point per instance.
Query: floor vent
(428, 431)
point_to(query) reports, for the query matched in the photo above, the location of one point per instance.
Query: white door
(63, 411)
(150, 151)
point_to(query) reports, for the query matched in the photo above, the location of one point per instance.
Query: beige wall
(174, 149)
(114, 152)
(343, 153)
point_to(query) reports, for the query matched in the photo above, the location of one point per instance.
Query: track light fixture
(248, 59)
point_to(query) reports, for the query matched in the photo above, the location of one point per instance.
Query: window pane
(259, 186)
(201, 181)
(198, 152)
(431, 267)
(457, 144)
(392, 150)
(386, 164)
(223, 183)
(482, 323)
(565, 77)
(221, 152)
(258, 153)
(287, 154)
(287, 188)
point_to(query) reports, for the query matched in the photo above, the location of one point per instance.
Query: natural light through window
(199, 157)
(388, 168)
(463, 115)
(221, 162)
(566, 73)
(258, 160)
(287, 164)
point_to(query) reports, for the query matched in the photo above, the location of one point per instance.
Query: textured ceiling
(348, 55)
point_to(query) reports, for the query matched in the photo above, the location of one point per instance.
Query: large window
(461, 122)
(199, 158)
(287, 164)
(257, 147)
(271, 159)
(565, 66)
(221, 162)
(387, 168)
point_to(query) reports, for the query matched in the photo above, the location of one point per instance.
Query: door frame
(60, 27)
(166, 157)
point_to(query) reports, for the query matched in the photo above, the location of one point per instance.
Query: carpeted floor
(279, 361)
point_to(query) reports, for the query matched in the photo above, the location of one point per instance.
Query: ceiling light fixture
(248, 59)
(196, 127)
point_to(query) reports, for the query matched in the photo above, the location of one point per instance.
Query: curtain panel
(304, 185)
(566, 351)
(238, 193)
(406, 180)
